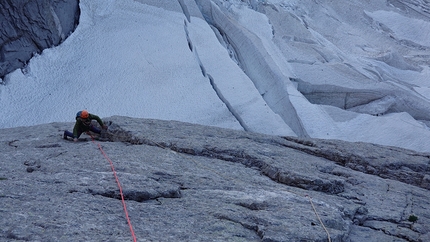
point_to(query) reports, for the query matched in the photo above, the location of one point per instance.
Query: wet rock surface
(186, 182)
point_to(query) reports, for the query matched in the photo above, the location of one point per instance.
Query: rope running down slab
(119, 186)
(186, 157)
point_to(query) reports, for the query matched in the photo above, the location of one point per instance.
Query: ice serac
(257, 63)
(366, 64)
(229, 82)
(188, 182)
(29, 27)
(417, 7)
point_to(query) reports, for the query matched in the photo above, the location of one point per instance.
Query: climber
(83, 124)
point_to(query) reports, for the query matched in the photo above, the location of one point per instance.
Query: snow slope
(352, 71)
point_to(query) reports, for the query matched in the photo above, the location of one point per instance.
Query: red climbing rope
(119, 186)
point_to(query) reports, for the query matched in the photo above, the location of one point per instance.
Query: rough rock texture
(186, 182)
(28, 27)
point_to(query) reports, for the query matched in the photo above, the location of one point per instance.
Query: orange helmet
(84, 114)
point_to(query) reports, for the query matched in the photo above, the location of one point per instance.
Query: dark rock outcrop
(186, 182)
(29, 27)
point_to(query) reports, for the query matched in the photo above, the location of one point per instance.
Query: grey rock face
(28, 27)
(186, 182)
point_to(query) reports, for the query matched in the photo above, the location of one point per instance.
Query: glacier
(355, 71)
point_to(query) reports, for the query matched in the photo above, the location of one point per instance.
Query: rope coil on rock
(119, 186)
